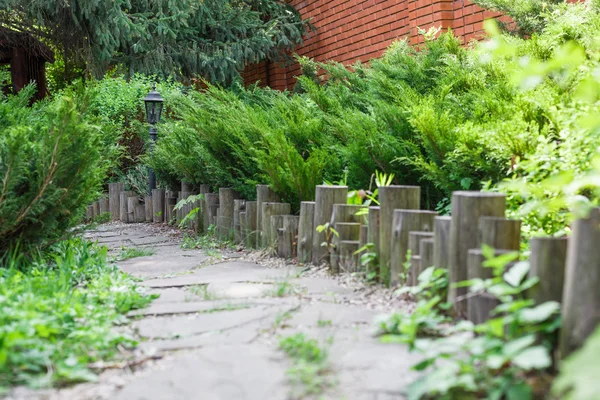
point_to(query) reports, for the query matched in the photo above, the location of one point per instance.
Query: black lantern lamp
(154, 105)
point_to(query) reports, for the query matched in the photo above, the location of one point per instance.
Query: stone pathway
(214, 332)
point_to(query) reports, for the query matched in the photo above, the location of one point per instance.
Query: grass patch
(57, 314)
(130, 252)
(324, 323)
(282, 289)
(202, 291)
(310, 374)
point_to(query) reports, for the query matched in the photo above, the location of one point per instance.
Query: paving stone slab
(160, 265)
(322, 286)
(336, 314)
(215, 373)
(230, 271)
(193, 324)
(241, 335)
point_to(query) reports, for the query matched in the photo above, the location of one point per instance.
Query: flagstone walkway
(214, 332)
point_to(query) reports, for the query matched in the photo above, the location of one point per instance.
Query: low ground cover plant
(59, 312)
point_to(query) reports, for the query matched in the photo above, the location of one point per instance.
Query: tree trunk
(325, 198)
(467, 208)
(393, 198)
(403, 222)
(305, 231)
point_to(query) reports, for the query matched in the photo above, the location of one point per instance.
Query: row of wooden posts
(568, 269)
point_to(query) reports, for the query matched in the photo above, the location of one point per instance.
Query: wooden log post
(581, 294)
(287, 246)
(238, 207)
(441, 242)
(243, 228)
(103, 204)
(325, 197)
(393, 198)
(114, 199)
(364, 237)
(414, 245)
(211, 201)
(123, 204)
(547, 262)
(158, 205)
(500, 233)
(132, 201)
(467, 208)
(479, 307)
(201, 204)
(426, 254)
(341, 213)
(374, 229)
(168, 195)
(276, 233)
(96, 209)
(305, 231)
(347, 231)
(348, 261)
(264, 194)
(403, 222)
(170, 214)
(148, 208)
(251, 238)
(191, 222)
(139, 212)
(226, 205)
(178, 212)
(268, 210)
(89, 214)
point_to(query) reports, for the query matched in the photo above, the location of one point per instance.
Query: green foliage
(130, 252)
(58, 312)
(499, 358)
(578, 378)
(310, 370)
(212, 38)
(52, 163)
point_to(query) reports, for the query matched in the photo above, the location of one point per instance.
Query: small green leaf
(516, 274)
(536, 357)
(540, 313)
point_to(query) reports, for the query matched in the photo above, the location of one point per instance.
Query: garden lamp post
(154, 105)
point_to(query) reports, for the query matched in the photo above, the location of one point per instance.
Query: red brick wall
(353, 30)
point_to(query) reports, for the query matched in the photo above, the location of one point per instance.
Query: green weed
(130, 252)
(310, 373)
(57, 314)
